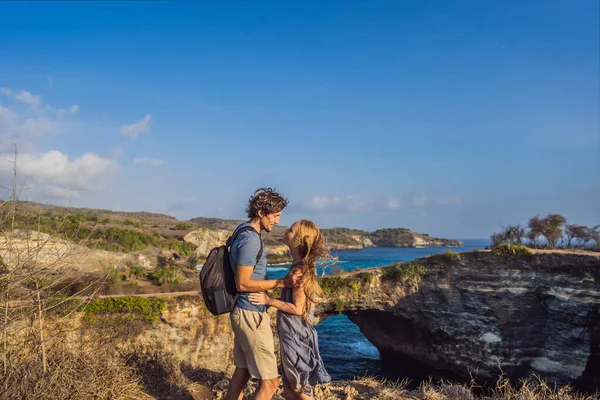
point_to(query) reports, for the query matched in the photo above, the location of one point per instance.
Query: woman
(301, 362)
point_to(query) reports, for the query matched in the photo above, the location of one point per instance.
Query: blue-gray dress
(301, 361)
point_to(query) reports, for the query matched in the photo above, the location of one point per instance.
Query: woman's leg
(298, 395)
(288, 392)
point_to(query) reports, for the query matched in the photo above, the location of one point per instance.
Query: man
(254, 348)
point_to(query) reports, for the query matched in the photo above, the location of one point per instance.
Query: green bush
(137, 272)
(148, 308)
(404, 272)
(166, 275)
(451, 257)
(347, 284)
(511, 251)
(339, 305)
(184, 226)
(184, 248)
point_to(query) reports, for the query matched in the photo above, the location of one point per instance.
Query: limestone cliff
(353, 239)
(207, 238)
(60, 254)
(447, 316)
(482, 312)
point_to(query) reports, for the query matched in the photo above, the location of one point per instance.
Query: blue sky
(451, 118)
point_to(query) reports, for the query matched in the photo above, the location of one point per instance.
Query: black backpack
(217, 279)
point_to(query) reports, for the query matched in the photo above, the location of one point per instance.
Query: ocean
(345, 351)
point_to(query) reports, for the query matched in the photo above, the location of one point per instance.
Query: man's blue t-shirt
(243, 251)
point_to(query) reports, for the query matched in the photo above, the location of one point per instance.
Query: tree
(553, 224)
(573, 231)
(36, 276)
(536, 229)
(594, 234)
(514, 233)
(496, 239)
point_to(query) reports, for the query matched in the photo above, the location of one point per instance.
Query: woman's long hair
(310, 242)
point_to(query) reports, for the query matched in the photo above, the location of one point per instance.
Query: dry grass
(533, 388)
(86, 371)
(75, 371)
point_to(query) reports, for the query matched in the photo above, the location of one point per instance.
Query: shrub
(166, 275)
(404, 272)
(137, 272)
(451, 257)
(184, 226)
(149, 308)
(332, 284)
(184, 248)
(511, 251)
(339, 305)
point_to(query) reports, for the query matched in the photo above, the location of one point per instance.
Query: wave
(283, 263)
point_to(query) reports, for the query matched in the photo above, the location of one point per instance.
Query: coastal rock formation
(353, 239)
(207, 238)
(401, 237)
(446, 316)
(481, 312)
(47, 250)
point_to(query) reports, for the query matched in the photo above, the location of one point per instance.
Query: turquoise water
(345, 351)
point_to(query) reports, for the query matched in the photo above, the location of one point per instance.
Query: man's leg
(238, 382)
(266, 389)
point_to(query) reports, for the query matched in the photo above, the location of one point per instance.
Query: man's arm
(245, 283)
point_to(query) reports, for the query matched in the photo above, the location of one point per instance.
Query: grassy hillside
(134, 231)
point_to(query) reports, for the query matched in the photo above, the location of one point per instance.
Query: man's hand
(259, 299)
(293, 278)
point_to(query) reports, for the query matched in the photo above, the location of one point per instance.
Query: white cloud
(33, 128)
(451, 201)
(349, 203)
(27, 98)
(58, 176)
(394, 204)
(420, 201)
(7, 116)
(59, 192)
(24, 125)
(71, 110)
(148, 161)
(49, 174)
(137, 127)
(116, 152)
(324, 202)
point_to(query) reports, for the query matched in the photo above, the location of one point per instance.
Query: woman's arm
(245, 283)
(295, 308)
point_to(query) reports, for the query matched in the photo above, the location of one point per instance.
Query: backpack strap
(240, 230)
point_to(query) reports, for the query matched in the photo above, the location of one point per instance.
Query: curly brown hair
(266, 200)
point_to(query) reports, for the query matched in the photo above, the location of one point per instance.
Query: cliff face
(351, 239)
(206, 239)
(483, 312)
(59, 254)
(447, 317)
(406, 238)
